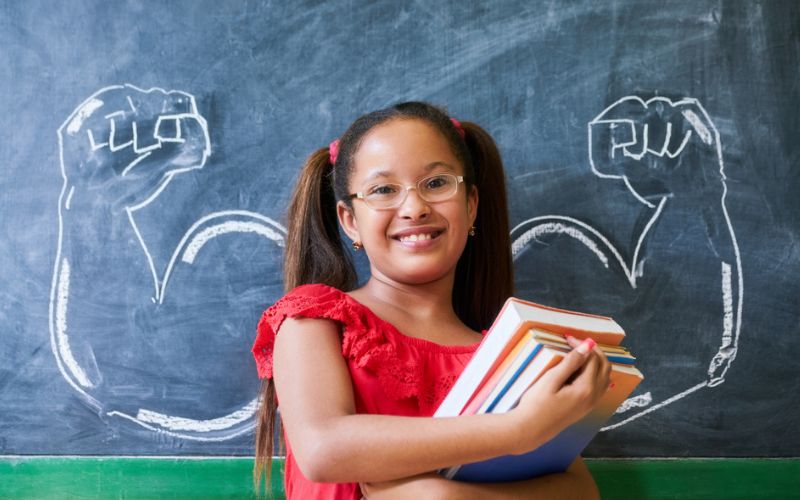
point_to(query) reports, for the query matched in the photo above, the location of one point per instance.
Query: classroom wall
(149, 151)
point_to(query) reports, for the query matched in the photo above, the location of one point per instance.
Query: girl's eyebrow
(428, 168)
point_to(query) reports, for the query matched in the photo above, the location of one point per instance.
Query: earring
(472, 231)
(357, 246)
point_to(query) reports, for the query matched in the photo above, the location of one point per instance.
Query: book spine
(514, 377)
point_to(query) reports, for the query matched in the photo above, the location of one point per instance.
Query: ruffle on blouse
(364, 342)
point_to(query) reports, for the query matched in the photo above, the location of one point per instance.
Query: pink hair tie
(333, 151)
(459, 128)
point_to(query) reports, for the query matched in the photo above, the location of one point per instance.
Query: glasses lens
(438, 187)
(384, 195)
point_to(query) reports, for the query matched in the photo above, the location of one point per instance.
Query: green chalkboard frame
(218, 478)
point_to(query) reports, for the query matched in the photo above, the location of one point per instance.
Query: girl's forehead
(403, 148)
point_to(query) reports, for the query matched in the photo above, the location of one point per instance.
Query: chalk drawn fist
(658, 146)
(149, 296)
(132, 135)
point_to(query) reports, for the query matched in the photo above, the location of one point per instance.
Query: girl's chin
(417, 273)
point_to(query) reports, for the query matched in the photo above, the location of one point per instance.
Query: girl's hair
(315, 252)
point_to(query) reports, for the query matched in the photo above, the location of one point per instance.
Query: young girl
(359, 371)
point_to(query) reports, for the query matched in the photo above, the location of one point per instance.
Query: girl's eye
(436, 183)
(382, 190)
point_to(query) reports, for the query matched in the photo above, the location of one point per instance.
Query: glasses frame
(406, 188)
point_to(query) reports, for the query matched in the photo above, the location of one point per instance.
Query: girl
(358, 371)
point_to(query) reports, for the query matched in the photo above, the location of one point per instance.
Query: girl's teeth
(416, 237)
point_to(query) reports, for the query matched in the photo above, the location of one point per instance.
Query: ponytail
(484, 274)
(314, 253)
(265, 436)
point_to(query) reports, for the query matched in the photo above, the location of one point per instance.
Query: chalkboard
(149, 150)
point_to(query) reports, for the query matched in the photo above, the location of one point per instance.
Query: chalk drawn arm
(644, 143)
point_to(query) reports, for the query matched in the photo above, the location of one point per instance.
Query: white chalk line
(191, 437)
(69, 197)
(656, 407)
(727, 301)
(189, 424)
(112, 145)
(547, 228)
(196, 244)
(627, 269)
(635, 402)
(249, 217)
(115, 114)
(82, 112)
(136, 148)
(61, 327)
(698, 125)
(93, 144)
(134, 163)
(642, 236)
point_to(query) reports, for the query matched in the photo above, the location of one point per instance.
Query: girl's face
(416, 242)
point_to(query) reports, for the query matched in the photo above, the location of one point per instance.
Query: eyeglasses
(433, 189)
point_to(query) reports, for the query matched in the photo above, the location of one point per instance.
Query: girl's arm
(576, 483)
(331, 443)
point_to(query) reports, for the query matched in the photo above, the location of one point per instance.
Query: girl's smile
(419, 238)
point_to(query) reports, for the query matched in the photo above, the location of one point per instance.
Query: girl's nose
(414, 207)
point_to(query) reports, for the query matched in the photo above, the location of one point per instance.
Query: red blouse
(392, 373)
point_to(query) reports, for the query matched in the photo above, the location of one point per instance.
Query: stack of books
(525, 341)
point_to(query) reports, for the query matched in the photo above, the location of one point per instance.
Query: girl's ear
(472, 204)
(347, 219)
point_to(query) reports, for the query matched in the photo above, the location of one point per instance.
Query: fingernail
(570, 337)
(611, 385)
(586, 346)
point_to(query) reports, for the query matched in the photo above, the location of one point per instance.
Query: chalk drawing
(106, 118)
(630, 137)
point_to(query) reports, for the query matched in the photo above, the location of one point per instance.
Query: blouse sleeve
(306, 301)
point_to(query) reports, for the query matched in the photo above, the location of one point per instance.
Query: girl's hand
(563, 395)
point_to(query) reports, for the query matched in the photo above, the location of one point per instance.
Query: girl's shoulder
(313, 301)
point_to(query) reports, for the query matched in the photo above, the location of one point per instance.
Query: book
(525, 341)
(514, 320)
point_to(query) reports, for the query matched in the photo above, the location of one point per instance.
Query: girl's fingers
(604, 369)
(572, 362)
